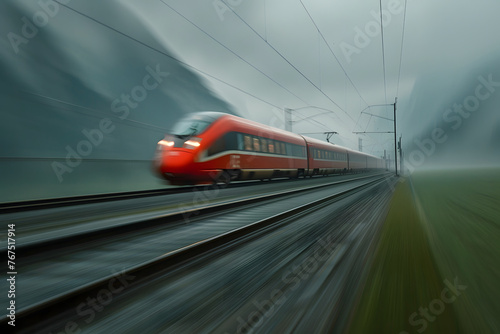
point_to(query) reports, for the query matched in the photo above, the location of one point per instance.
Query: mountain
(82, 104)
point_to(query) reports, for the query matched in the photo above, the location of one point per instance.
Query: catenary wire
(383, 50)
(165, 54)
(402, 44)
(230, 50)
(333, 53)
(285, 59)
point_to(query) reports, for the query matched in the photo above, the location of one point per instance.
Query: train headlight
(165, 143)
(192, 143)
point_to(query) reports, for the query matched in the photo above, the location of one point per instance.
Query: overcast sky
(279, 38)
(322, 57)
(328, 59)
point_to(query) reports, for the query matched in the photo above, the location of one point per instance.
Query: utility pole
(385, 160)
(288, 119)
(288, 115)
(400, 148)
(395, 134)
(395, 140)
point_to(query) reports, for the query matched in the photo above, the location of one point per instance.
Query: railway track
(49, 203)
(153, 220)
(50, 308)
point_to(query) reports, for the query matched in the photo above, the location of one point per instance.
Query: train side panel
(240, 149)
(325, 158)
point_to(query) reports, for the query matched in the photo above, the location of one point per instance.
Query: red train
(208, 147)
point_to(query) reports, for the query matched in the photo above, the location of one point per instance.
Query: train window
(263, 145)
(217, 147)
(297, 151)
(239, 138)
(283, 148)
(277, 147)
(256, 145)
(271, 146)
(248, 143)
(231, 141)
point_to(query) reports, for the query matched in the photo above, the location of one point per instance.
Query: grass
(461, 214)
(440, 226)
(403, 277)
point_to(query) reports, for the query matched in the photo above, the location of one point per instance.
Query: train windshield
(190, 128)
(193, 125)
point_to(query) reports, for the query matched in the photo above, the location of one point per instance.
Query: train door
(309, 157)
(348, 161)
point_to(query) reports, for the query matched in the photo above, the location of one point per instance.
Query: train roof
(327, 145)
(214, 115)
(244, 123)
(205, 115)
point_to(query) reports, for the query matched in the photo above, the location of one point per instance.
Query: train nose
(176, 163)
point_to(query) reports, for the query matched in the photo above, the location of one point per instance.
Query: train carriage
(325, 158)
(207, 147)
(211, 146)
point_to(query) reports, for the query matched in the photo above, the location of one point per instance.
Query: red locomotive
(208, 147)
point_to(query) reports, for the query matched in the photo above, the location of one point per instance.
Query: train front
(177, 153)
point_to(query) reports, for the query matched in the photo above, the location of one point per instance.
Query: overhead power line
(230, 50)
(165, 54)
(247, 62)
(383, 50)
(333, 53)
(285, 59)
(402, 44)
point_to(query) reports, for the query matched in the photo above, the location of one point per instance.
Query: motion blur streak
(64, 81)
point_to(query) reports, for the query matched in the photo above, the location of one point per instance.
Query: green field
(437, 265)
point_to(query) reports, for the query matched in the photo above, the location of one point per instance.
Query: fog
(67, 84)
(119, 73)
